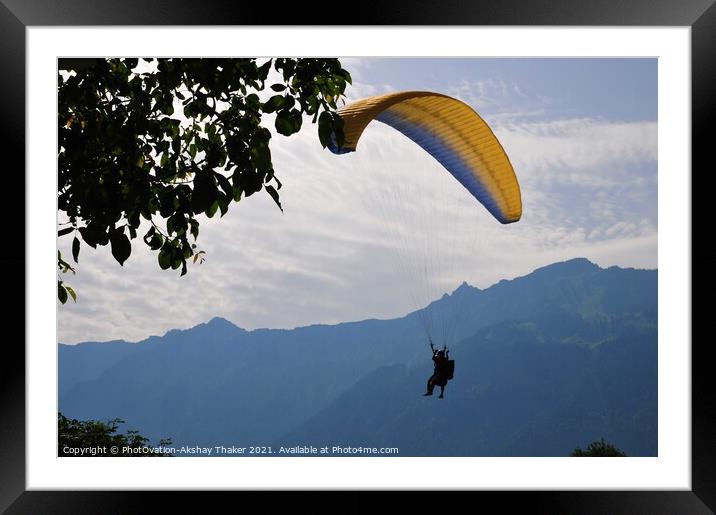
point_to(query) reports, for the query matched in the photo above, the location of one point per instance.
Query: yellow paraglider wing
(453, 133)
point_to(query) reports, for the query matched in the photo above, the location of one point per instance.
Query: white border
(671, 470)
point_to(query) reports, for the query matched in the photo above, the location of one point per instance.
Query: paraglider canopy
(453, 133)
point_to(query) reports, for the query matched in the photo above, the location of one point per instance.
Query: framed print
(521, 220)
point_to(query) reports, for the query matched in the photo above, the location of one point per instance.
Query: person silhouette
(440, 372)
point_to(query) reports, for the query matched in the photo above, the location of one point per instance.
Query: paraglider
(466, 147)
(443, 370)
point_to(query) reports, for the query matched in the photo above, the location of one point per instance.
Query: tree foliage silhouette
(93, 434)
(598, 448)
(167, 140)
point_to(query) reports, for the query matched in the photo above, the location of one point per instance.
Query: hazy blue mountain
(545, 334)
(87, 361)
(520, 389)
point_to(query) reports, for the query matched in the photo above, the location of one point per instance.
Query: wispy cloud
(564, 148)
(503, 101)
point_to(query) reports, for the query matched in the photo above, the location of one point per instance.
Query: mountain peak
(214, 324)
(571, 266)
(221, 324)
(464, 287)
(220, 321)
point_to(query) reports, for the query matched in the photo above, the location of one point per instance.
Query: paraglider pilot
(440, 371)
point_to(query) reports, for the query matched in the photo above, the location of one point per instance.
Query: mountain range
(545, 363)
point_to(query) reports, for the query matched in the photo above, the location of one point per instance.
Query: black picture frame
(16, 15)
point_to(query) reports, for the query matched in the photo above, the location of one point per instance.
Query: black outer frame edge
(703, 115)
(12, 262)
(15, 15)
(391, 12)
(344, 502)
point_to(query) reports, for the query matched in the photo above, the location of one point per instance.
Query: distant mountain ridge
(218, 384)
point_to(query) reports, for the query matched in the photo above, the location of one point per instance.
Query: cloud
(503, 101)
(571, 150)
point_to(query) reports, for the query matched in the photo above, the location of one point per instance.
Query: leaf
(283, 124)
(72, 293)
(167, 108)
(264, 69)
(204, 193)
(274, 103)
(278, 87)
(89, 236)
(325, 129)
(190, 110)
(211, 210)
(76, 249)
(194, 228)
(121, 247)
(260, 156)
(290, 102)
(165, 259)
(274, 195)
(61, 292)
(63, 265)
(150, 233)
(288, 121)
(225, 184)
(156, 242)
(66, 230)
(176, 224)
(224, 204)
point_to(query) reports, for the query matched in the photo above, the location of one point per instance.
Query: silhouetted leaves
(274, 195)
(274, 103)
(330, 127)
(94, 438)
(76, 249)
(121, 248)
(204, 193)
(72, 293)
(164, 258)
(288, 121)
(125, 153)
(598, 448)
(61, 292)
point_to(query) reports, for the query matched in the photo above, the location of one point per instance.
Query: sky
(385, 230)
